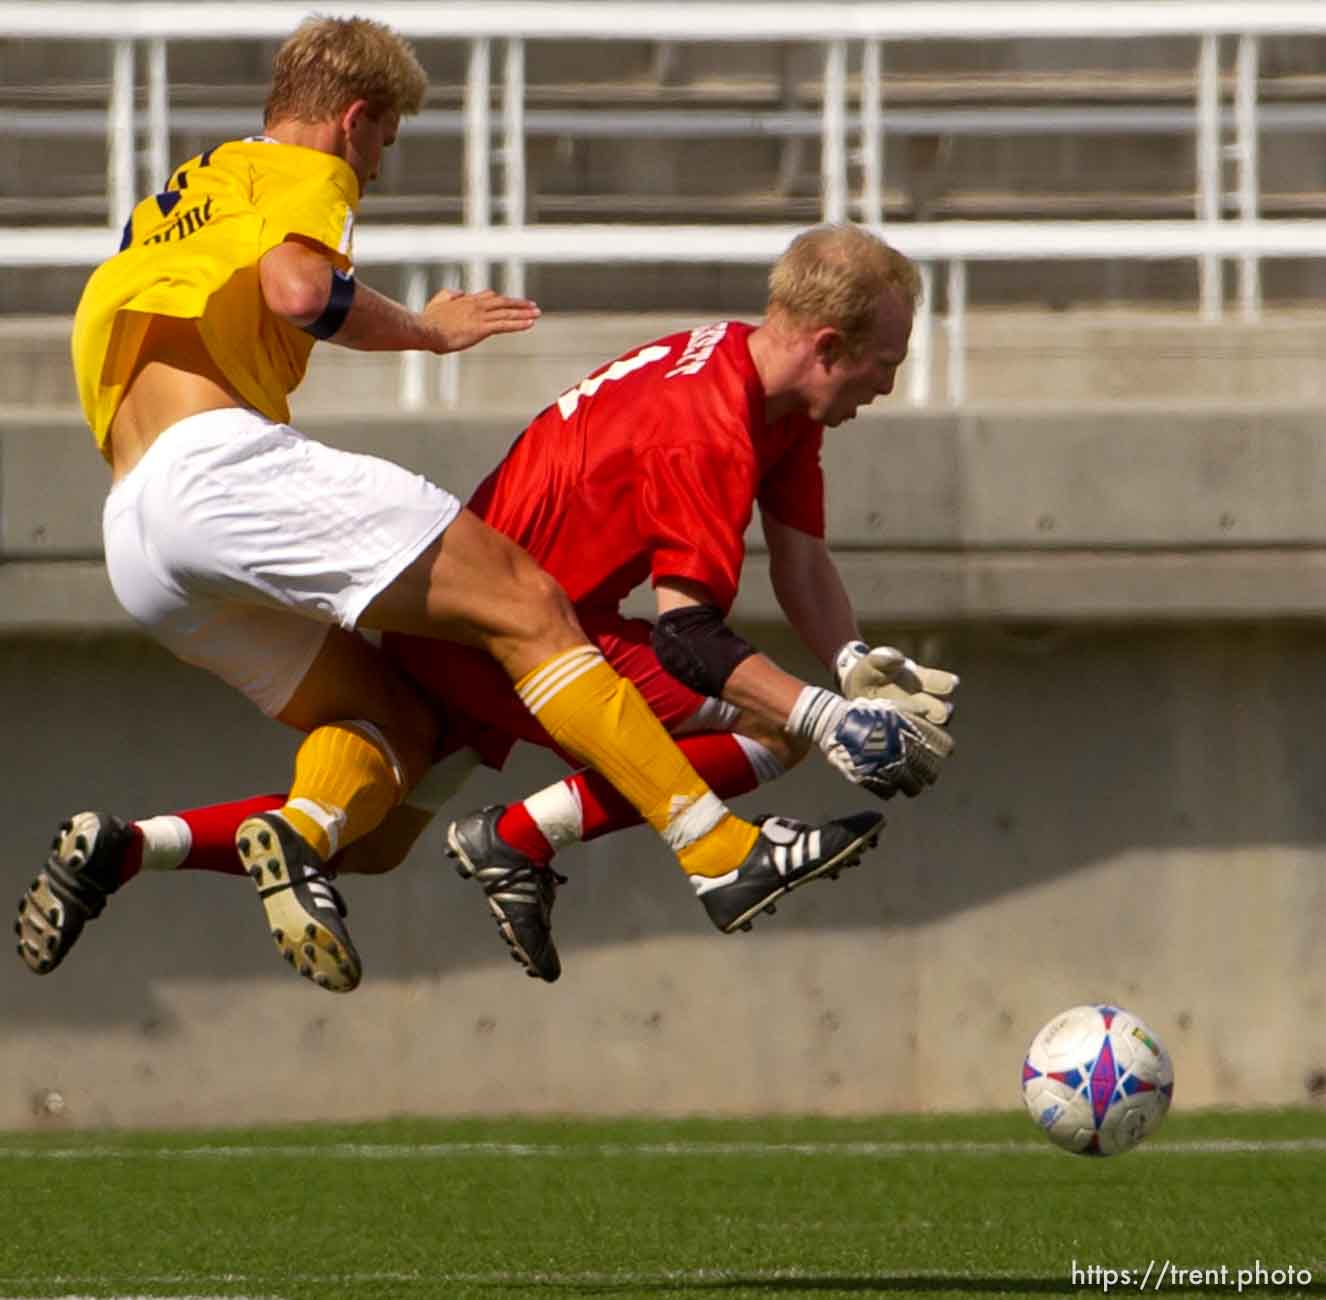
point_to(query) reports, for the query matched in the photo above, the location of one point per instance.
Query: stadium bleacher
(731, 133)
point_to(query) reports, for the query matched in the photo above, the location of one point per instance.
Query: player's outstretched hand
(873, 743)
(887, 674)
(464, 319)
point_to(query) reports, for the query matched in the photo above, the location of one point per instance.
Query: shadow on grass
(898, 1286)
(825, 1285)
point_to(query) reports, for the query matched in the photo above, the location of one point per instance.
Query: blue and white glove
(884, 673)
(873, 743)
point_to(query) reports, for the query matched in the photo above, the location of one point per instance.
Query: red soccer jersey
(650, 468)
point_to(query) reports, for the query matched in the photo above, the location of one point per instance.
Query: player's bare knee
(542, 623)
(557, 615)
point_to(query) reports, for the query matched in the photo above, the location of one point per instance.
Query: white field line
(613, 1150)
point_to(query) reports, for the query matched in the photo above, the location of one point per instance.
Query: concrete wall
(1134, 602)
(1131, 815)
(1155, 513)
(1023, 359)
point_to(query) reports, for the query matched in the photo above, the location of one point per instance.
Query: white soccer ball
(1097, 1080)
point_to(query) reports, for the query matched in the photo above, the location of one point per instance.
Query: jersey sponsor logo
(186, 224)
(699, 348)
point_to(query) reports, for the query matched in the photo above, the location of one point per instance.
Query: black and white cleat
(787, 855)
(305, 913)
(81, 872)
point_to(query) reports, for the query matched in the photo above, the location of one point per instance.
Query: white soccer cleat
(304, 911)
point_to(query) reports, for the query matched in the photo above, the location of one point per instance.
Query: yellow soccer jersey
(192, 251)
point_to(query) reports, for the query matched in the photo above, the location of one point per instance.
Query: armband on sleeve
(337, 308)
(698, 648)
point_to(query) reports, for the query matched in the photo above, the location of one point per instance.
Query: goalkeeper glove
(887, 674)
(873, 743)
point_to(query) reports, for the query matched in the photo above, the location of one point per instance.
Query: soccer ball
(1097, 1080)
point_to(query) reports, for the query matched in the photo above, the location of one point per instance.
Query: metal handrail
(674, 20)
(953, 243)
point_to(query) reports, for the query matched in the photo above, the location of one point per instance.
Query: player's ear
(352, 115)
(829, 346)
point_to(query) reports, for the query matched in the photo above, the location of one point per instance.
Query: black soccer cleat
(82, 871)
(305, 913)
(787, 855)
(520, 892)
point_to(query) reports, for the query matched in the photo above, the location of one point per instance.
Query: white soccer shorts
(237, 542)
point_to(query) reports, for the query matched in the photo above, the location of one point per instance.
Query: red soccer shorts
(481, 709)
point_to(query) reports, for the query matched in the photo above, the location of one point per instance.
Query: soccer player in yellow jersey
(254, 552)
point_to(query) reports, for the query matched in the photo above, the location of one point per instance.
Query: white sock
(763, 762)
(557, 812)
(166, 842)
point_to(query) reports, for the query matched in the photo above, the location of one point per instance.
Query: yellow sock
(346, 781)
(604, 721)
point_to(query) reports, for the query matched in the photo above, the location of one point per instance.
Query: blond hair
(328, 63)
(835, 275)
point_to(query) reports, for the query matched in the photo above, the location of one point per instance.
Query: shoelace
(521, 875)
(72, 887)
(305, 880)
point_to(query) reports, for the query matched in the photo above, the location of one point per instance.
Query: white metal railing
(1209, 238)
(953, 244)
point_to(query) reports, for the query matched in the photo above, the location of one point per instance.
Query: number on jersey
(570, 399)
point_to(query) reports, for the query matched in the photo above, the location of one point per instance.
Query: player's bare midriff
(176, 378)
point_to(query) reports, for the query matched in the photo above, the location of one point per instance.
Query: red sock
(716, 755)
(522, 833)
(213, 836)
(214, 828)
(132, 862)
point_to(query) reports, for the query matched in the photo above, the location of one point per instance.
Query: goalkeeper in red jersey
(649, 470)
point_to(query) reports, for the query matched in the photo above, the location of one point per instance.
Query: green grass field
(915, 1206)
